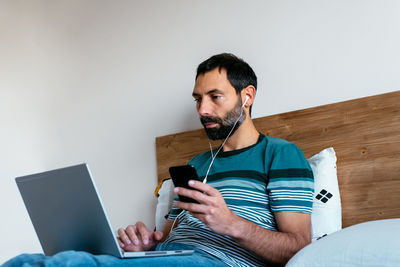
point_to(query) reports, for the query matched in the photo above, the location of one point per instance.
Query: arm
(167, 229)
(277, 247)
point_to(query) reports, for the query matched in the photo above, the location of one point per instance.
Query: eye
(197, 100)
(217, 97)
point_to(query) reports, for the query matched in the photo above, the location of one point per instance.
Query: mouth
(209, 125)
(210, 122)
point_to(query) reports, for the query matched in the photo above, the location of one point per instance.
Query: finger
(158, 235)
(131, 232)
(199, 216)
(143, 232)
(191, 207)
(202, 187)
(195, 194)
(123, 236)
(121, 244)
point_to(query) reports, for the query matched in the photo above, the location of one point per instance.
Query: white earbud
(247, 98)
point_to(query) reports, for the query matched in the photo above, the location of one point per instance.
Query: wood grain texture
(365, 134)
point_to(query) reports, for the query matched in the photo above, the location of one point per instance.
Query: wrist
(236, 227)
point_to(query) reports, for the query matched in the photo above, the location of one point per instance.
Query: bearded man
(256, 203)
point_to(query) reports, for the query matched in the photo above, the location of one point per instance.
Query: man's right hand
(138, 238)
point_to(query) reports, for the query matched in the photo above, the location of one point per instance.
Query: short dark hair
(238, 72)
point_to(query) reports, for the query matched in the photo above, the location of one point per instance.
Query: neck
(246, 135)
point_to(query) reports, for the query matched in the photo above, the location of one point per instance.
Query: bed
(364, 133)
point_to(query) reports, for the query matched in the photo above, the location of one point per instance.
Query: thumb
(158, 235)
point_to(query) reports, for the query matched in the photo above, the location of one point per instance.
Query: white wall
(97, 81)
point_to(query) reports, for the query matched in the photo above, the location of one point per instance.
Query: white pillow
(374, 243)
(326, 216)
(166, 196)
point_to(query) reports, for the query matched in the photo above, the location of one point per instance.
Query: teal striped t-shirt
(269, 176)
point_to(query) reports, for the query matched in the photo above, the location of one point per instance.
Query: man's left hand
(211, 210)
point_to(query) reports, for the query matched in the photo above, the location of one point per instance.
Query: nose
(204, 107)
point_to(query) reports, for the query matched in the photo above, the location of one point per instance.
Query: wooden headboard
(365, 134)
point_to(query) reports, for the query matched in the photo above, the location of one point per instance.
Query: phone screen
(180, 176)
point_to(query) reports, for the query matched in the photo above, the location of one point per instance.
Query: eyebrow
(212, 91)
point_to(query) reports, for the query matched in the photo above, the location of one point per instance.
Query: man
(257, 200)
(254, 205)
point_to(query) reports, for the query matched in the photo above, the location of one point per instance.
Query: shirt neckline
(241, 150)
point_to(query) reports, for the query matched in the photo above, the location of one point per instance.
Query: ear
(248, 93)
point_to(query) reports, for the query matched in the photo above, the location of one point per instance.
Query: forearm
(275, 247)
(167, 229)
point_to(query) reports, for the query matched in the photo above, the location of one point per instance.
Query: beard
(226, 124)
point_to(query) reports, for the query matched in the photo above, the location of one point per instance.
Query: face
(218, 104)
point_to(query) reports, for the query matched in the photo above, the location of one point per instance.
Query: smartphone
(180, 176)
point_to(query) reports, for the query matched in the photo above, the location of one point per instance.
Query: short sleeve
(291, 181)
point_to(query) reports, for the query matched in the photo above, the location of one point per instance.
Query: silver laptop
(67, 214)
